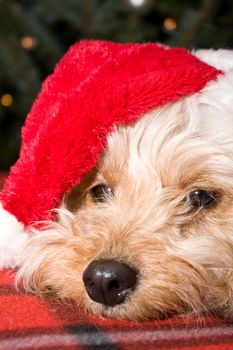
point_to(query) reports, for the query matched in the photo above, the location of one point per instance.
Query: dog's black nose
(108, 281)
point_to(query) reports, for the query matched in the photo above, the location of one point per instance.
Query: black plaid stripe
(92, 337)
(88, 336)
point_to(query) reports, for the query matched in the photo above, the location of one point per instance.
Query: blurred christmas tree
(35, 33)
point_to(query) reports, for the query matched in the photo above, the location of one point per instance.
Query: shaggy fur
(183, 255)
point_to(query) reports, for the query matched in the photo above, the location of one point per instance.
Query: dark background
(34, 34)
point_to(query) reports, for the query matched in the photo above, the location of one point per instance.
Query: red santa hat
(96, 85)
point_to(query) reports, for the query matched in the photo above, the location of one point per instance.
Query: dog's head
(148, 233)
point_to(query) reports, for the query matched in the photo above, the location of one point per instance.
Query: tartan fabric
(29, 322)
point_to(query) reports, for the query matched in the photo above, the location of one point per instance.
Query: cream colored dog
(149, 233)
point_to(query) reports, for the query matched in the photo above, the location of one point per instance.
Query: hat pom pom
(12, 239)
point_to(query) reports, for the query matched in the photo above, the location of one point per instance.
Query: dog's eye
(201, 199)
(101, 192)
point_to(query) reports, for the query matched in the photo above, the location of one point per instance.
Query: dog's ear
(76, 197)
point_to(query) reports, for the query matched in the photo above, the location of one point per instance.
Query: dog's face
(148, 233)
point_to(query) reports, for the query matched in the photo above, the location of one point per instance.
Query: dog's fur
(184, 255)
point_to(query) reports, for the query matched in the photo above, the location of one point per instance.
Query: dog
(148, 233)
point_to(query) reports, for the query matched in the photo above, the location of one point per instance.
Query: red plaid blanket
(29, 322)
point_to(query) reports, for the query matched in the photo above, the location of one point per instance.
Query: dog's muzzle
(108, 282)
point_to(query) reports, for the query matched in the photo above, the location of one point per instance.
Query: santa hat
(96, 85)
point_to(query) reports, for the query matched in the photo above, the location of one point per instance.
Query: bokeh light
(137, 3)
(170, 24)
(6, 100)
(28, 42)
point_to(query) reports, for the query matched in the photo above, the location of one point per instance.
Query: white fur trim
(220, 59)
(12, 239)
